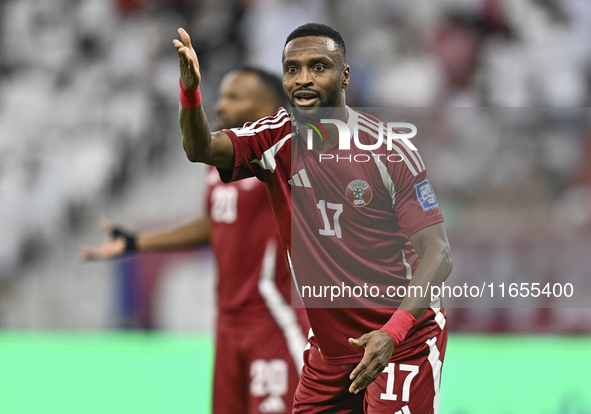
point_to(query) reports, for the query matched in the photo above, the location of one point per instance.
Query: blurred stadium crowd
(89, 99)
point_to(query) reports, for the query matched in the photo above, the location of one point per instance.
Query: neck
(324, 134)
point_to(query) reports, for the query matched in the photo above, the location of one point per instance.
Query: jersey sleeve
(415, 202)
(253, 143)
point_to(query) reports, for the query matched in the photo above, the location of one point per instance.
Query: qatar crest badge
(359, 193)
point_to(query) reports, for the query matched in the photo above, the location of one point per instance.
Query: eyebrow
(312, 61)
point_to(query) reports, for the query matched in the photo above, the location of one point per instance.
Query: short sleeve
(252, 144)
(415, 201)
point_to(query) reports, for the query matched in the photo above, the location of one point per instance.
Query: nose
(304, 78)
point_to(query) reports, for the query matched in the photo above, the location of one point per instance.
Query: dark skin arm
(432, 247)
(193, 234)
(190, 235)
(200, 145)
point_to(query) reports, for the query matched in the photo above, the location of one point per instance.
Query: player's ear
(346, 77)
(267, 107)
(271, 105)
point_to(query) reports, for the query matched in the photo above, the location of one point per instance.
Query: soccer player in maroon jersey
(358, 223)
(259, 337)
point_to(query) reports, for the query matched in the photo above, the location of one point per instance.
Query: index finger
(373, 369)
(185, 38)
(362, 366)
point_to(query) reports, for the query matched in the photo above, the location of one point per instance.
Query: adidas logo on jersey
(300, 179)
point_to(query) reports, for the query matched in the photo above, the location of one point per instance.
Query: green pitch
(516, 374)
(108, 373)
(128, 373)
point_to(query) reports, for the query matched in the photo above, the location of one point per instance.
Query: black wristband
(130, 237)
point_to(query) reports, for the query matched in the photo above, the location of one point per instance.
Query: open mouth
(305, 98)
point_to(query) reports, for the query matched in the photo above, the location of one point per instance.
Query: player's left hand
(117, 244)
(378, 351)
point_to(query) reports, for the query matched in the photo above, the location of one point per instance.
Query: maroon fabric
(374, 247)
(324, 388)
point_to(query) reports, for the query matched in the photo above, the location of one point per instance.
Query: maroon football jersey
(344, 221)
(244, 240)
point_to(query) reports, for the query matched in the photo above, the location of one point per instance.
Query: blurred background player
(260, 338)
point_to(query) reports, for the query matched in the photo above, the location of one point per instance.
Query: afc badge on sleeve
(426, 195)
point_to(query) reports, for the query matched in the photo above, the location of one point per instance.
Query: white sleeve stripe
(403, 146)
(270, 119)
(395, 148)
(413, 154)
(420, 159)
(283, 314)
(375, 125)
(267, 161)
(396, 143)
(410, 154)
(369, 123)
(249, 131)
(386, 179)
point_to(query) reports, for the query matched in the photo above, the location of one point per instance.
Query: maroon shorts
(255, 370)
(408, 385)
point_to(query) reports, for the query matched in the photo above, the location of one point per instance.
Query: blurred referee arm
(190, 235)
(201, 145)
(433, 249)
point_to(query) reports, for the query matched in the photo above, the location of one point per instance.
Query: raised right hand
(189, 65)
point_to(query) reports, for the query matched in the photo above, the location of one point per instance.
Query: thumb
(361, 341)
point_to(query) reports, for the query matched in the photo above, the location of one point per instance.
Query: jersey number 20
(224, 201)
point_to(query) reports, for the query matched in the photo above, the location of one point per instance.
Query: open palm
(188, 62)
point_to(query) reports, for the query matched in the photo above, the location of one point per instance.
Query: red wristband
(398, 325)
(190, 98)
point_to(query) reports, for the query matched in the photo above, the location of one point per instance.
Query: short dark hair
(271, 82)
(322, 30)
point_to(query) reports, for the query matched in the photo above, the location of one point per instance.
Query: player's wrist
(190, 98)
(130, 238)
(398, 326)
